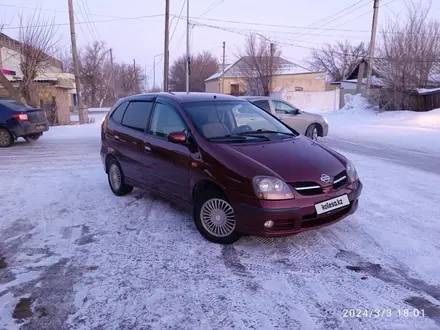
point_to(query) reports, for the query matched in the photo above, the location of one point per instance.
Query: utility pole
(154, 70)
(360, 76)
(372, 43)
(146, 80)
(188, 57)
(271, 67)
(112, 75)
(135, 77)
(166, 52)
(223, 67)
(83, 117)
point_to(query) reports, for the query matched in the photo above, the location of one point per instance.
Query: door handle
(147, 149)
(117, 137)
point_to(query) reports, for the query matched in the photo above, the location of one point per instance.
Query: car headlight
(269, 187)
(351, 172)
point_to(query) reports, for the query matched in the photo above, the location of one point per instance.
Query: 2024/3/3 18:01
(369, 312)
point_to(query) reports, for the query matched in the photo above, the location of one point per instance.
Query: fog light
(268, 224)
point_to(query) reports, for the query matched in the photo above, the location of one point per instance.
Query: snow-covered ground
(87, 259)
(406, 130)
(97, 113)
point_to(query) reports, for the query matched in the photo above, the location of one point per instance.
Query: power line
(211, 7)
(339, 17)
(58, 11)
(311, 48)
(325, 19)
(81, 27)
(271, 25)
(178, 20)
(274, 31)
(89, 28)
(87, 9)
(85, 22)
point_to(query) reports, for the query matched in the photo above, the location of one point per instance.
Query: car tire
(6, 138)
(212, 206)
(33, 137)
(312, 132)
(116, 179)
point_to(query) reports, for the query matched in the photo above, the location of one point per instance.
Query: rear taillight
(21, 117)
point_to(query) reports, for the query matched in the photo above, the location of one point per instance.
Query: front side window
(137, 114)
(165, 120)
(217, 119)
(283, 108)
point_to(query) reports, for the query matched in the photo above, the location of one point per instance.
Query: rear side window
(119, 113)
(136, 115)
(264, 104)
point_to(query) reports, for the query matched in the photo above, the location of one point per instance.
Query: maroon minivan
(241, 169)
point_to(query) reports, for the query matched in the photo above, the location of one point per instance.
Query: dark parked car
(260, 177)
(19, 120)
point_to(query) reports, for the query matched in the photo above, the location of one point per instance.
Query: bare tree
(338, 60)
(129, 81)
(37, 37)
(259, 62)
(65, 56)
(92, 60)
(203, 65)
(411, 52)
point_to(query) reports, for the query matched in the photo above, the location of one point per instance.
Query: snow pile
(67, 131)
(359, 121)
(355, 103)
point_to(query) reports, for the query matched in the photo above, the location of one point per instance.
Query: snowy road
(420, 160)
(85, 259)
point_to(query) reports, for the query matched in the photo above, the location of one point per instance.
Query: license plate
(40, 128)
(332, 204)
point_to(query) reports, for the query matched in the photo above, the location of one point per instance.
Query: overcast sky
(142, 38)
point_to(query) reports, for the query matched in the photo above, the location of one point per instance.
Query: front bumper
(24, 128)
(293, 216)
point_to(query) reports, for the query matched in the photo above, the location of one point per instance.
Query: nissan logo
(325, 178)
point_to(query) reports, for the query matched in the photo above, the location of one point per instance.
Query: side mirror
(177, 137)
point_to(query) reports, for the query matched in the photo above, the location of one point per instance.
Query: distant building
(291, 76)
(53, 86)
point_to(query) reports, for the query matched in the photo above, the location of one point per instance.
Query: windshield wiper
(262, 131)
(235, 137)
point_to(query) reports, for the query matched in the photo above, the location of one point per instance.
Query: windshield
(235, 120)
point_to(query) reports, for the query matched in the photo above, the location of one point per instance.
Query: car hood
(311, 116)
(294, 160)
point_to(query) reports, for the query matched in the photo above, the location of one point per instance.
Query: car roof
(183, 97)
(254, 98)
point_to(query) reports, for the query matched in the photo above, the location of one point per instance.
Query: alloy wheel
(218, 217)
(115, 177)
(5, 138)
